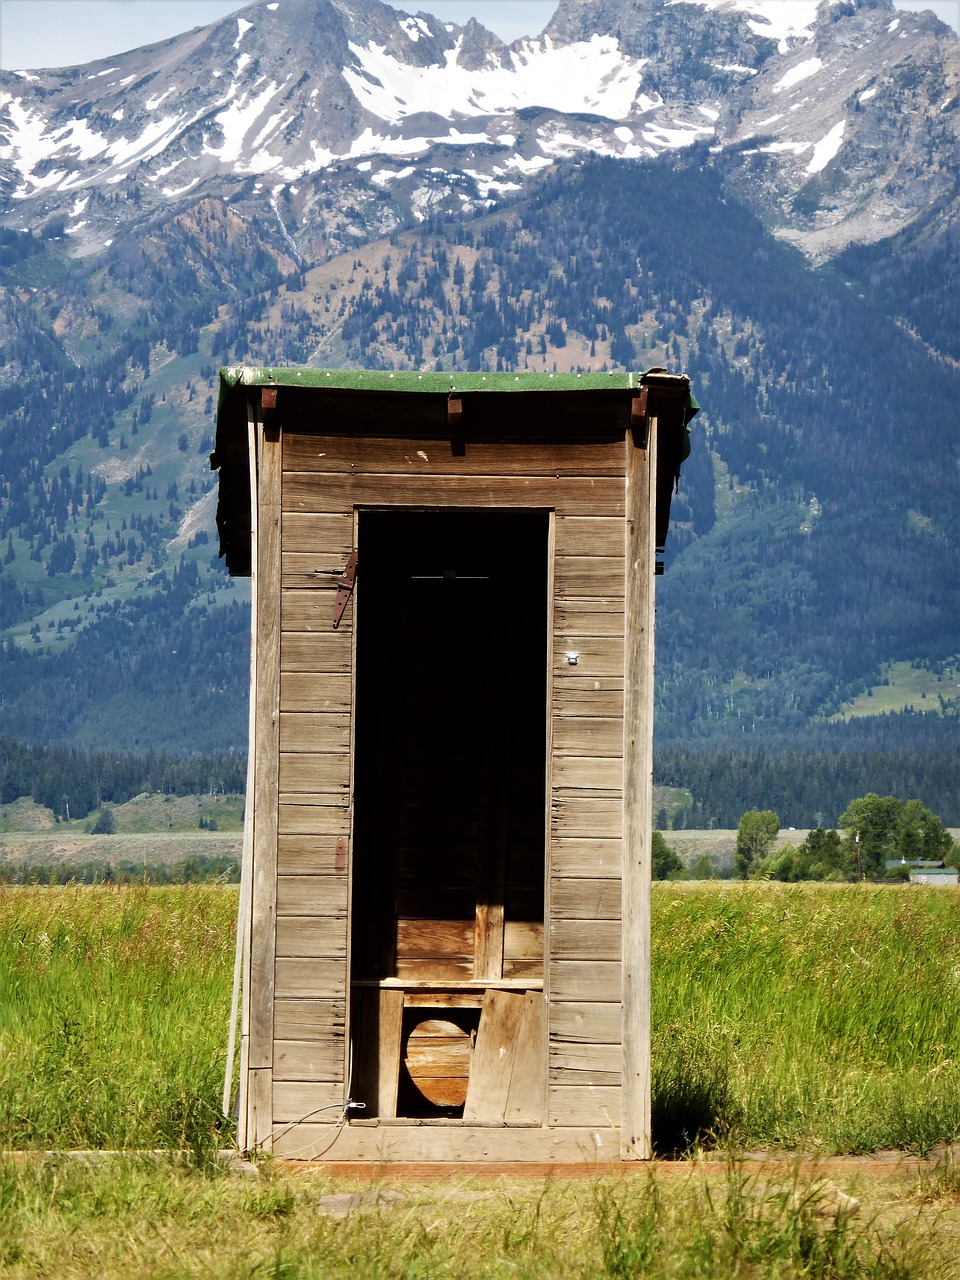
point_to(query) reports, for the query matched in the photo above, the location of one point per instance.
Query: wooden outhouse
(444, 921)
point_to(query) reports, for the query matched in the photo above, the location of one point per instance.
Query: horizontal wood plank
(589, 536)
(314, 771)
(304, 1019)
(312, 976)
(322, 937)
(599, 617)
(586, 1023)
(303, 491)
(314, 895)
(363, 455)
(299, 1100)
(581, 898)
(306, 817)
(426, 938)
(311, 855)
(455, 1143)
(594, 656)
(313, 691)
(590, 816)
(585, 735)
(588, 773)
(314, 1060)
(585, 980)
(323, 651)
(322, 731)
(582, 1064)
(588, 695)
(328, 535)
(580, 576)
(523, 940)
(583, 1104)
(599, 859)
(310, 609)
(585, 939)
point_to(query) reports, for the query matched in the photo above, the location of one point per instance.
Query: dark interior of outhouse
(449, 790)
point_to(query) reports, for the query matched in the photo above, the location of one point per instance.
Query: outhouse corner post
(265, 799)
(640, 552)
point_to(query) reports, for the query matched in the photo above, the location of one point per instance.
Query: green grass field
(793, 1018)
(907, 687)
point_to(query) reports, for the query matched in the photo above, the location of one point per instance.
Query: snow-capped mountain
(338, 119)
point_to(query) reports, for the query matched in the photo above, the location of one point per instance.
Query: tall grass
(798, 1016)
(807, 1016)
(113, 1015)
(128, 1218)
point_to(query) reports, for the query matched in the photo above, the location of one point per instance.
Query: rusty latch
(345, 588)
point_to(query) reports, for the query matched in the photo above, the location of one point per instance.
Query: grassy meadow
(794, 1018)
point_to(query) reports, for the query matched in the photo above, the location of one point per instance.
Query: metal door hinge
(345, 588)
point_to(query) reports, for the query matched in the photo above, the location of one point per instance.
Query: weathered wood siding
(324, 477)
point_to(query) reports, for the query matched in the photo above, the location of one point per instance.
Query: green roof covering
(443, 383)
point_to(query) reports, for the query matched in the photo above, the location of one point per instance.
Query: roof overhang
(455, 406)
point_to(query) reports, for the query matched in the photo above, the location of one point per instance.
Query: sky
(51, 33)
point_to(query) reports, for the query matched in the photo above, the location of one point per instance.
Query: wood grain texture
(494, 1056)
(321, 731)
(259, 1104)
(314, 816)
(304, 491)
(588, 695)
(525, 1095)
(463, 1144)
(590, 536)
(576, 1063)
(584, 898)
(589, 736)
(315, 977)
(585, 1022)
(311, 609)
(312, 896)
(266, 745)
(598, 859)
(587, 816)
(585, 981)
(329, 652)
(305, 1019)
(596, 656)
(313, 855)
(320, 936)
(328, 536)
(523, 940)
(588, 773)
(584, 1104)
(313, 691)
(638, 793)
(315, 772)
(320, 1061)
(589, 576)
(585, 939)
(316, 1101)
(363, 456)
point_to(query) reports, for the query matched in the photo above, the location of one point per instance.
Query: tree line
(75, 783)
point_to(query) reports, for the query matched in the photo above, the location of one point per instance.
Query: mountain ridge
(815, 530)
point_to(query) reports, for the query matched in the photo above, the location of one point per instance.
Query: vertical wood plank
(391, 1020)
(244, 909)
(640, 550)
(260, 1109)
(525, 1096)
(494, 1056)
(267, 748)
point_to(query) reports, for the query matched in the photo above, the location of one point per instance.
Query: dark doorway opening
(450, 779)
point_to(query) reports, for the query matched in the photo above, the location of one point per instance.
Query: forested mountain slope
(815, 535)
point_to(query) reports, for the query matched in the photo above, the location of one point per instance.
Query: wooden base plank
(463, 1144)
